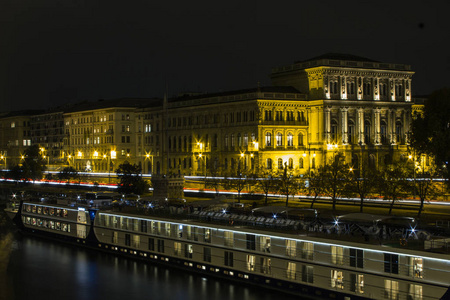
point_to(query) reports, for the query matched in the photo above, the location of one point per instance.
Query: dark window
(228, 259)
(251, 242)
(207, 254)
(357, 258)
(151, 244)
(127, 240)
(391, 263)
(161, 246)
(143, 226)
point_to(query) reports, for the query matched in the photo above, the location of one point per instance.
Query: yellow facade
(315, 109)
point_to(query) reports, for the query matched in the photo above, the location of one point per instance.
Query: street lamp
(413, 158)
(3, 157)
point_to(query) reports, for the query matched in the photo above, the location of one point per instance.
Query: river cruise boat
(281, 258)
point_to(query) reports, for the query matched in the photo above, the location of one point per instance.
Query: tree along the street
(335, 174)
(316, 185)
(424, 186)
(394, 182)
(266, 184)
(287, 184)
(362, 181)
(213, 174)
(237, 183)
(130, 179)
(33, 163)
(67, 173)
(431, 131)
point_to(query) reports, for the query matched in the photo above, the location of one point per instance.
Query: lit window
(416, 267)
(337, 255)
(291, 248)
(251, 263)
(291, 270)
(391, 289)
(337, 279)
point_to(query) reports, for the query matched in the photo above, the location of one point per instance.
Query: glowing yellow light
(113, 154)
(304, 154)
(95, 154)
(410, 157)
(80, 154)
(23, 157)
(200, 155)
(70, 156)
(42, 149)
(335, 146)
(128, 154)
(44, 156)
(1, 157)
(242, 154)
(147, 155)
(251, 155)
(351, 169)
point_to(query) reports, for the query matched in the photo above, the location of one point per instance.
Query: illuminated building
(315, 109)
(102, 135)
(15, 137)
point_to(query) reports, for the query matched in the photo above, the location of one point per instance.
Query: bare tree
(335, 175)
(316, 185)
(362, 181)
(394, 182)
(267, 184)
(287, 184)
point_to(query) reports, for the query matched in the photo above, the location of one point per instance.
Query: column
(344, 123)
(343, 87)
(326, 89)
(328, 125)
(377, 125)
(391, 126)
(360, 124)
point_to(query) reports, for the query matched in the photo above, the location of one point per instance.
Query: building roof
(340, 56)
(121, 102)
(265, 89)
(20, 113)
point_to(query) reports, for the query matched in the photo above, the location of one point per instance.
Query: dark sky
(58, 51)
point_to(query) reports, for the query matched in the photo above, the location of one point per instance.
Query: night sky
(63, 51)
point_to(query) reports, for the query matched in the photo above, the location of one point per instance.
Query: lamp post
(3, 157)
(413, 158)
(112, 155)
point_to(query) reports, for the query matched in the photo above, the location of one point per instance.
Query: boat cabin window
(228, 238)
(251, 263)
(291, 248)
(416, 267)
(251, 242)
(207, 235)
(337, 255)
(264, 244)
(291, 270)
(307, 250)
(337, 279)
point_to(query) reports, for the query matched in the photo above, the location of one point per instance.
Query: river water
(42, 269)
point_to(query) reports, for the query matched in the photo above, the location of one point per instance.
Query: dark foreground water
(41, 269)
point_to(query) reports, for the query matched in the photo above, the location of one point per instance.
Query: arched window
(232, 140)
(367, 138)
(226, 140)
(239, 138)
(398, 132)
(280, 163)
(300, 139)
(313, 163)
(279, 139)
(300, 163)
(291, 163)
(269, 163)
(268, 139)
(383, 132)
(351, 132)
(216, 140)
(290, 140)
(334, 130)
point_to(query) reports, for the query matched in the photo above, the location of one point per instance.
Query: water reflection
(41, 269)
